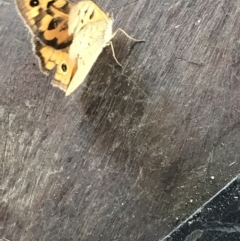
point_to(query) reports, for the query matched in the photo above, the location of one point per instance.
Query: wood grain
(133, 151)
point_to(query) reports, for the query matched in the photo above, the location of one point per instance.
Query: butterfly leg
(119, 29)
(114, 56)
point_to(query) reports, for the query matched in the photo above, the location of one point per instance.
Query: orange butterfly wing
(48, 22)
(49, 58)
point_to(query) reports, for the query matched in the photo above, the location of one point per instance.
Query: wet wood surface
(134, 151)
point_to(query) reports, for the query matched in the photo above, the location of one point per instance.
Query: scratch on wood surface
(134, 136)
(191, 62)
(4, 3)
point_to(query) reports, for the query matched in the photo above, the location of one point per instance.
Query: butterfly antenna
(121, 30)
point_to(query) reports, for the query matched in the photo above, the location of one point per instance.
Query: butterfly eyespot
(64, 67)
(34, 3)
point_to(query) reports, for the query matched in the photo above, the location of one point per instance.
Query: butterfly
(68, 37)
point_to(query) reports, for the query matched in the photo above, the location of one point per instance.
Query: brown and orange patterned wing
(47, 20)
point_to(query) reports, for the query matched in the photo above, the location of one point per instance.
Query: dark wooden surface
(133, 151)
